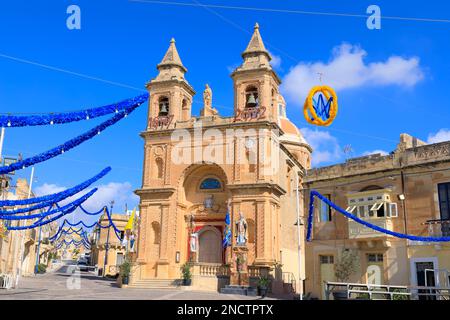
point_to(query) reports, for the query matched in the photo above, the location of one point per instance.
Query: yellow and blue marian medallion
(321, 106)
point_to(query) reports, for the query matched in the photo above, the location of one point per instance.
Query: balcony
(358, 231)
(438, 228)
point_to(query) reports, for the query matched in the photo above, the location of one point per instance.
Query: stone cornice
(271, 187)
(164, 192)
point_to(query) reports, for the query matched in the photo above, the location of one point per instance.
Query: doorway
(210, 245)
(424, 276)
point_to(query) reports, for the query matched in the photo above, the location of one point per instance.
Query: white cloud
(47, 188)
(120, 192)
(348, 70)
(326, 148)
(382, 152)
(440, 136)
(276, 61)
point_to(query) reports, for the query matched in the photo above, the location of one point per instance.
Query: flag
(226, 242)
(130, 222)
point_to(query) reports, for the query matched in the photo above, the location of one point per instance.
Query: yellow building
(195, 165)
(18, 247)
(407, 191)
(116, 252)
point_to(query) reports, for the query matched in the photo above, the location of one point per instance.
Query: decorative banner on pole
(321, 106)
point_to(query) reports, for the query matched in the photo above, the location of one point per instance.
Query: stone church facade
(194, 166)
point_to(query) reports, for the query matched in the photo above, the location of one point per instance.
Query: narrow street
(66, 283)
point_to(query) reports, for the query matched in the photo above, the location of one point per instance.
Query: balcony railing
(210, 269)
(357, 230)
(438, 228)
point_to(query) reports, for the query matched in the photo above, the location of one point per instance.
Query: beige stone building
(117, 249)
(18, 247)
(407, 191)
(194, 165)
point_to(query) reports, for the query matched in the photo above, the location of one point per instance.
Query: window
(361, 211)
(379, 209)
(325, 210)
(326, 259)
(375, 257)
(392, 210)
(122, 235)
(210, 184)
(350, 209)
(444, 200)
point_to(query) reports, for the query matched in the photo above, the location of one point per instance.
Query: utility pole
(300, 282)
(38, 251)
(2, 139)
(107, 241)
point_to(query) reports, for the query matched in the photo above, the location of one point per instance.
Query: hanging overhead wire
(302, 12)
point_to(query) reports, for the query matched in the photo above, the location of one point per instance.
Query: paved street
(63, 284)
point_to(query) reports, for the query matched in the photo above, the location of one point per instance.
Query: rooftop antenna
(320, 76)
(348, 151)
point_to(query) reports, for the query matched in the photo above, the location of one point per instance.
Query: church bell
(251, 102)
(164, 110)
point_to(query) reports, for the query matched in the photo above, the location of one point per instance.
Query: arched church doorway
(209, 246)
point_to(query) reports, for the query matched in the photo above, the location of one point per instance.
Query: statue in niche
(241, 230)
(209, 202)
(208, 109)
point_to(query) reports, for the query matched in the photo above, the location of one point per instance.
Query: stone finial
(256, 44)
(172, 58)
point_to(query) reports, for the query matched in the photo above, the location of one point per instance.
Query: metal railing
(6, 281)
(438, 228)
(387, 292)
(289, 278)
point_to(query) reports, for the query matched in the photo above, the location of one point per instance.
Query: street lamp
(107, 241)
(298, 223)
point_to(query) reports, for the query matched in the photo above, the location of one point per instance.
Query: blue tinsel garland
(360, 221)
(74, 206)
(56, 197)
(60, 231)
(66, 117)
(136, 102)
(41, 215)
(80, 232)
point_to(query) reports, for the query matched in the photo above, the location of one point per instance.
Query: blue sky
(389, 81)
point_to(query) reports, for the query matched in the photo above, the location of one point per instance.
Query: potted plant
(125, 270)
(346, 265)
(187, 275)
(240, 262)
(263, 285)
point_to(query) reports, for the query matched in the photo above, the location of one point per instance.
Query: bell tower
(256, 85)
(170, 93)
